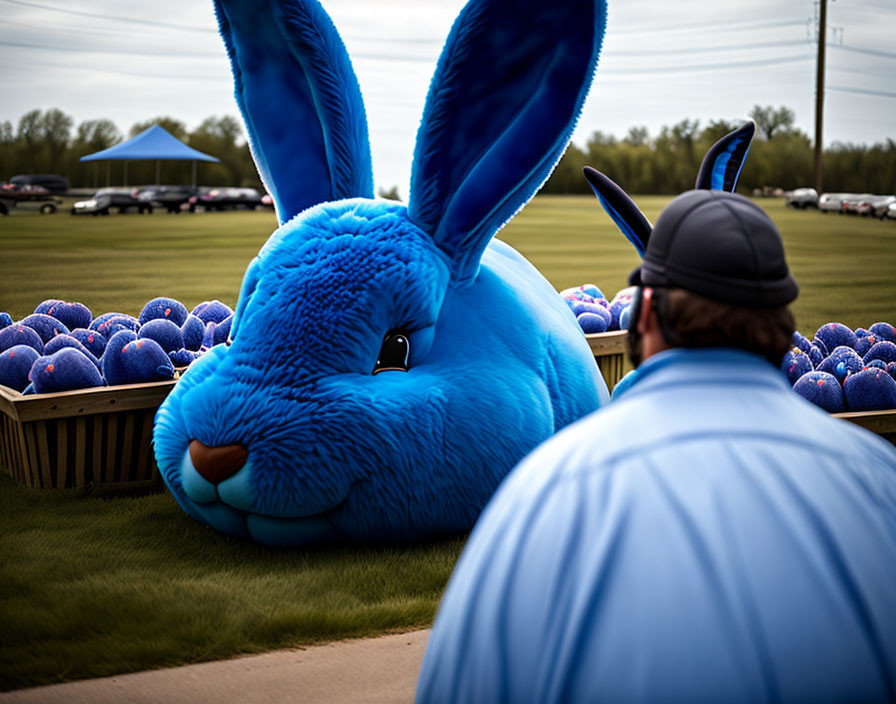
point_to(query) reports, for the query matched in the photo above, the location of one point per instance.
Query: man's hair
(690, 320)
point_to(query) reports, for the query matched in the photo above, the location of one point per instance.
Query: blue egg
(18, 334)
(822, 389)
(15, 365)
(164, 308)
(870, 390)
(163, 331)
(64, 370)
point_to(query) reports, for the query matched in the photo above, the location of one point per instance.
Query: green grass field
(94, 586)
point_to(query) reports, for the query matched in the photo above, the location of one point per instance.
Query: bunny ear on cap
(502, 105)
(300, 99)
(723, 162)
(621, 209)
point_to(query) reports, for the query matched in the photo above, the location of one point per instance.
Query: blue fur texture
(883, 350)
(46, 326)
(842, 362)
(592, 322)
(836, 335)
(5, 320)
(60, 341)
(212, 312)
(795, 364)
(183, 357)
(45, 306)
(15, 365)
(64, 370)
(336, 451)
(71, 314)
(891, 369)
(884, 331)
(18, 334)
(128, 360)
(192, 330)
(163, 331)
(822, 389)
(222, 330)
(92, 340)
(164, 308)
(870, 390)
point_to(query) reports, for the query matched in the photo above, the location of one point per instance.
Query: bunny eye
(394, 353)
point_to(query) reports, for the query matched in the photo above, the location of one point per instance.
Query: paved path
(375, 670)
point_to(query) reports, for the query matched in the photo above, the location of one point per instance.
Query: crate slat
(127, 457)
(61, 453)
(101, 439)
(80, 452)
(111, 447)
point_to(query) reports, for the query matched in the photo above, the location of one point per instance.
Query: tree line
(782, 156)
(48, 142)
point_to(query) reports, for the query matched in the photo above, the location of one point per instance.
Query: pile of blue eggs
(594, 312)
(62, 346)
(845, 370)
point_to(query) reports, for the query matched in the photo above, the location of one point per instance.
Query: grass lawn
(94, 586)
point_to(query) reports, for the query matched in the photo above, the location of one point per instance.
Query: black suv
(105, 199)
(169, 197)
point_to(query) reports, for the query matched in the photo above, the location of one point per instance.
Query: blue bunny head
(387, 365)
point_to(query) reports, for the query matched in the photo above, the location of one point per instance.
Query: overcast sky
(661, 62)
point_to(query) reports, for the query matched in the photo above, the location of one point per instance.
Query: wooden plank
(8, 398)
(127, 451)
(96, 468)
(61, 451)
(80, 452)
(29, 465)
(41, 453)
(880, 422)
(111, 461)
(605, 343)
(87, 401)
(144, 449)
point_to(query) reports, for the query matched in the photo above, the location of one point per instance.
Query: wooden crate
(608, 349)
(101, 439)
(98, 439)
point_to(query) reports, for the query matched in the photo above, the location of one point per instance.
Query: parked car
(879, 204)
(226, 199)
(105, 199)
(890, 212)
(52, 182)
(831, 202)
(172, 198)
(803, 198)
(13, 194)
(851, 204)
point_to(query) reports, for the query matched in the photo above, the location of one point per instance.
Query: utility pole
(819, 90)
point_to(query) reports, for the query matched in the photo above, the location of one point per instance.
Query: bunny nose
(217, 463)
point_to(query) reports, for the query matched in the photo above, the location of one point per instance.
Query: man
(708, 537)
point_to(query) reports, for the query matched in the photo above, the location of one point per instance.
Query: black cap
(719, 245)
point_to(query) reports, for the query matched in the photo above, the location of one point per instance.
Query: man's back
(708, 537)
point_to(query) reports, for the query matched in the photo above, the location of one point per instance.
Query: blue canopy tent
(153, 143)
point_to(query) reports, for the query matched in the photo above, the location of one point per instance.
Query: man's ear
(647, 316)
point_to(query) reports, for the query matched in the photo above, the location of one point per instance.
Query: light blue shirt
(708, 537)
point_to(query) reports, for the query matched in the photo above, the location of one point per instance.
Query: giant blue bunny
(387, 365)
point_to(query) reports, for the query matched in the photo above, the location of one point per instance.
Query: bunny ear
(722, 164)
(300, 100)
(501, 108)
(621, 209)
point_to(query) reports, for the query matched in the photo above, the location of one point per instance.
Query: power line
(114, 18)
(731, 25)
(708, 67)
(846, 89)
(709, 49)
(871, 52)
(100, 50)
